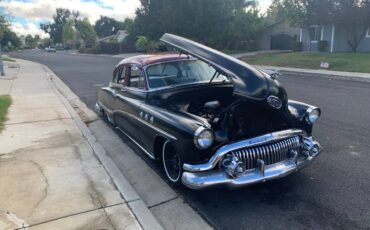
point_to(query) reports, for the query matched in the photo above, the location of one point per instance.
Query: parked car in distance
(50, 49)
(213, 120)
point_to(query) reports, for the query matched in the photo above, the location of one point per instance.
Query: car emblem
(274, 102)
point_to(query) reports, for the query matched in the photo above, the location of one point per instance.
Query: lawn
(351, 62)
(5, 102)
(6, 58)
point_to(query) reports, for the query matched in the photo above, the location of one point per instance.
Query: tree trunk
(352, 39)
(1, 64)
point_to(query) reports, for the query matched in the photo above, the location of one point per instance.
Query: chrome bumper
(200, 176)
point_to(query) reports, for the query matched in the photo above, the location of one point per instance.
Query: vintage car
(211, 119)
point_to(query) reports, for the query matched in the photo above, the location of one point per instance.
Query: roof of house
(119, 37)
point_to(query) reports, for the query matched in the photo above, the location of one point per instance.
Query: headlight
(203, 138)
(312, 115)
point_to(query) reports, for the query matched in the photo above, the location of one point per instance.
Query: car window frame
(128, 73)
(124, 72)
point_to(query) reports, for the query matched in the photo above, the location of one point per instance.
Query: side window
(136, 78)
(119, 76)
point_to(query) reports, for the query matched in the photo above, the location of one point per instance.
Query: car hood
(248, 82)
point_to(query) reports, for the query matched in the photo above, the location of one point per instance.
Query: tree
(276, 11)
(69, 33)
(145, 44)
(244, 25)
(46, 42)
(207, 21)
(10, 38)
(106, 26)
(87, 32)
(31, 42)
(353, 16)
(55, 29)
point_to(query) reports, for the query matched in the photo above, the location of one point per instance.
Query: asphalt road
(332, 193)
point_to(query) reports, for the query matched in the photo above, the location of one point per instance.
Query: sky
(25, 16)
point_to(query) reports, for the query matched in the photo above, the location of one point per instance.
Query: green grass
(351, 62)
(5, 102)
(5, 58)
(230, 52)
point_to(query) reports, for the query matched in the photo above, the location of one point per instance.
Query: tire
(172, 163)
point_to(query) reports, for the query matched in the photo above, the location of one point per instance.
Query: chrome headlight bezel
(203, 138)
(312, 115)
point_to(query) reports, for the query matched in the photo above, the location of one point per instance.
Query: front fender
(299, 112)
(177, 124)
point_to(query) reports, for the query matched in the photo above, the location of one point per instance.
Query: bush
(323, 46)
(146, 45)
(297, 47)
(89, 50)
(82, 49)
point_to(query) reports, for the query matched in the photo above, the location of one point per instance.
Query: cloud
(28, 28)
(35, 11)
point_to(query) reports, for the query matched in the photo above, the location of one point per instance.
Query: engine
(238, 120)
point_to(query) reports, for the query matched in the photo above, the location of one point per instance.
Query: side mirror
(275, 75)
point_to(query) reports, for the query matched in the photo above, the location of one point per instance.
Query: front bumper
(201, 177)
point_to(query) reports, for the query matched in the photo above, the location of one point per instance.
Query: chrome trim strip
(135, 142)
(264, 139)
(164, 133)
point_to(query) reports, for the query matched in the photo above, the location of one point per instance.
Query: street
(332, 193)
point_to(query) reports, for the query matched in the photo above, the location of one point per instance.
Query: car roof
(144, 60)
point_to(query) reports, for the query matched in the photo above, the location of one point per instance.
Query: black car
(212, 119)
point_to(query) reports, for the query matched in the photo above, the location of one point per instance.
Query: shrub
(146, 45)
(82, 49)
(297, 47)
(323, 46)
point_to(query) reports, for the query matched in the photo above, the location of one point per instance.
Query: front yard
(5, 102)
(351, 62)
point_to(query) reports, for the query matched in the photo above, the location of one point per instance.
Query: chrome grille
(270, 153)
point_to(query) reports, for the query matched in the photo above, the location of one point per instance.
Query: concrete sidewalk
(50, 177)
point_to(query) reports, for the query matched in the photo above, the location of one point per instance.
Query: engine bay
(230, 117)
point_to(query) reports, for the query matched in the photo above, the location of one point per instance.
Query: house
(335, 37)
(119, 37)
(278, 36)
(116, 43)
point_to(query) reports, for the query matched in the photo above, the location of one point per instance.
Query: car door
(128, 101)
(107, 95)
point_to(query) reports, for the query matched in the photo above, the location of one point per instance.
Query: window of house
(315, 33)
(136, 78)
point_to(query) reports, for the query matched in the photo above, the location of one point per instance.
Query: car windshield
(182, 72)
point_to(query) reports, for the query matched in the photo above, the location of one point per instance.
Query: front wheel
(172, 163)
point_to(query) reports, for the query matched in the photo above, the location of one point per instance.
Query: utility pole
(1, 64)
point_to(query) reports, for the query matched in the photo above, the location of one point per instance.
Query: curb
(363, 77)
(134, 202)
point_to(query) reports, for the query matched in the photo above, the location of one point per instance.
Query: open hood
(248, 81)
